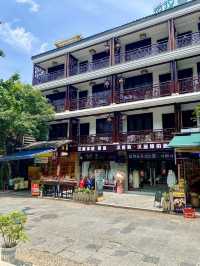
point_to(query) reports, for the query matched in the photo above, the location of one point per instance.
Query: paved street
(97, 235)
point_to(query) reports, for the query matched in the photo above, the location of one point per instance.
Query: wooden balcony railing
(183, 86)
(89, 66)
(147, 136)
(142, 52)
(188, 39)
(59, 105)
(48, 77)
(101, 99)
(96, 139)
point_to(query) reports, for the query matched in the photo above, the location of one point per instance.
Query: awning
(55, 144)
(190, 140)
(23, 155)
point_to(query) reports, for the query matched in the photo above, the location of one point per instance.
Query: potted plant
(120, 179)
(12, 231)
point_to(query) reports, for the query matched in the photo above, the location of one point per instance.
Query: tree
(23, 111)
(1, 53)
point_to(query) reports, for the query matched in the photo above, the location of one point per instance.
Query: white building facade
(121, 95)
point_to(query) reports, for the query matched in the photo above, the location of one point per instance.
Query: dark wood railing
(48, 77)
(133, 137)
(147, 136)
(142, 52)
(101, 99)
(187, 85)
(96, 139)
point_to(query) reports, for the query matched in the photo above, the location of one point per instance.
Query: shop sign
(168, 4)
(152, 155)
(123, 147)
(99, 179)
(41, 160)
(35, 189)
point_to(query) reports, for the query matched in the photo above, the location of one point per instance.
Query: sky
(32, 26)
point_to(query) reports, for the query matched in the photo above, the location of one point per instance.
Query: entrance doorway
(149, 175)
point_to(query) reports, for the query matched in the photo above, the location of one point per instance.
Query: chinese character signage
(167, 4)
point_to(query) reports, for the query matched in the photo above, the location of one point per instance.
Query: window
(165, 77)
(139, 81)
(168, 120)
(83, 66)
(83, 94)
(84, 129)
(188, 119)
(185, 73)
(140, 122)
(58, 131)
(99, 88)
(103, 126)
(56, 68)
(99, 56)
(138, 44)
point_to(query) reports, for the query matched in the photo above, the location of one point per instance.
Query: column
(113, 88)
(67, 99)
(66, 65)
(174, 77)
(178, 117)
(171, 32)
(115, 127)
(112, 51)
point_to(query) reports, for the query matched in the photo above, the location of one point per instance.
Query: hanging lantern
(107, 46)
(117, 44)
(124, 117)
(107, 83)
(109, 118)
(92, 51)
(121, 80)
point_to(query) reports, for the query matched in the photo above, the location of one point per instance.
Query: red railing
(188, 39)
(48, 77)
(147, 136)
(142, 52)
(135, 54)
(101, 99)
(89, 66)
(95, 139)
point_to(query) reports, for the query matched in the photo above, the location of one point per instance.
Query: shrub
(12, 228)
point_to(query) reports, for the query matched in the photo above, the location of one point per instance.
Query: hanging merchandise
(136, 179)
(171, 179)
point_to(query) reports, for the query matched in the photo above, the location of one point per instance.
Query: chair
(158, 198)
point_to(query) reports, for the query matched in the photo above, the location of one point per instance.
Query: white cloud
(17, 37)
(43, 47)
(34, 7)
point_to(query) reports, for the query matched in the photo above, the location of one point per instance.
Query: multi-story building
(122, 94)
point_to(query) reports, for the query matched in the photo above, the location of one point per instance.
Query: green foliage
(23, 111)
(12, 228)
(1, 53)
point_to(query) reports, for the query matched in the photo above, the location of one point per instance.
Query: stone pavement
(130, 200)
(92, 235)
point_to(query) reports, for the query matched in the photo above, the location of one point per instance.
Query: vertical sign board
(35, 189)
(99, 179)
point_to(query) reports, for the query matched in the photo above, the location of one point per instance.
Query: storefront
(107, 159)
(43, 162)
(188, 164)
(148, 170)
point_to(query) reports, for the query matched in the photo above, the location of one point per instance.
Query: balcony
(59, 105)
(189, 39)
(90, 66)
(47, 77)
(95, 139)
(101, 99)
(147, 136)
